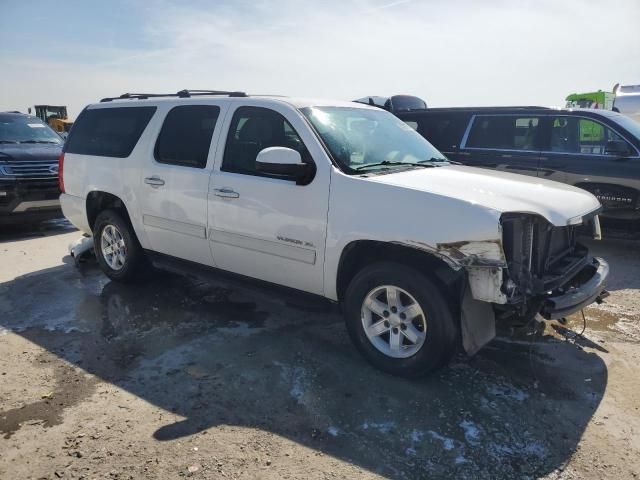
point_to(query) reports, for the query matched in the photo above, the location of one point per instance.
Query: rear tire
(413, 332)
(117, 249)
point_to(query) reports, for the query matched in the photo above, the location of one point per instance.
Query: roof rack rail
(181, 94)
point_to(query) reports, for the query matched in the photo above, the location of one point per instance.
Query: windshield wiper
(441, 160)
(37, 141)
(388, 162)
(8, 141)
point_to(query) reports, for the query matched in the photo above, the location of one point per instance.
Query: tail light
(60, 172)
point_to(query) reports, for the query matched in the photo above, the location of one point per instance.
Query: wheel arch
(98, 201)
(360, 253)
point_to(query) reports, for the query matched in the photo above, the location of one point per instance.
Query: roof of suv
(512, 110)
(516, 108)
(15, 114)
(188, 96)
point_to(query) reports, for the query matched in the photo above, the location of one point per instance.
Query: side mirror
(283, 162)
(617, 148)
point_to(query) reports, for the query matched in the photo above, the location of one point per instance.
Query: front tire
(399, 320)
(117, 249)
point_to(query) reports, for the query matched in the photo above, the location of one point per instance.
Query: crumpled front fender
(483, 261)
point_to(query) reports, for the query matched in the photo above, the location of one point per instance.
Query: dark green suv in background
(596, 150)
(29, 151)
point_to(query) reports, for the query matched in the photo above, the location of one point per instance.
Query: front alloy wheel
(399, 319)
(393, 321)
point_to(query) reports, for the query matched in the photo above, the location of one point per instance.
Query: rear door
(508, 142)
(578, 155)
(175, 182)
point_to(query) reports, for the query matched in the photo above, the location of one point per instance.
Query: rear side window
(506, 132)
(186, 135)
(108, 132)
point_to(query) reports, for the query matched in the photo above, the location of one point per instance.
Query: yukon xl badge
(296, 241)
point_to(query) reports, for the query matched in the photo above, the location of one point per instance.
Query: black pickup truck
(29, 151)
(596, 150)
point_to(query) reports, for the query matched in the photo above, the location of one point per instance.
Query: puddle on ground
(174, 304)
(622, 321)
(72, 386)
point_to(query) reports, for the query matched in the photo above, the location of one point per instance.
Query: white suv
(335, 199)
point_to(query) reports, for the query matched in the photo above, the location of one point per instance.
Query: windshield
(360, 137)
(23, 129)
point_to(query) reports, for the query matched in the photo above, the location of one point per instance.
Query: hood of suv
(500, 191)
(29, 151)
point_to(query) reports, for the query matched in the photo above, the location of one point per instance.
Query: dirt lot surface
(179, 378)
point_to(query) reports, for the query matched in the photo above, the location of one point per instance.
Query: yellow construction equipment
(55, 116)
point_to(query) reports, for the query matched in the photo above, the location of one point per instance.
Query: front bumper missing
(582, 290)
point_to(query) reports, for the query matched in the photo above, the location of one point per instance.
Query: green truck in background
(624, 99)
(599, 99)
(591, 131)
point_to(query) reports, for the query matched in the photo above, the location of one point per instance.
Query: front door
(509, 142)
(261, 226)
(175, 182)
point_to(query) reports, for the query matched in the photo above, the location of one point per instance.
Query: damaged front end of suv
(537, 268)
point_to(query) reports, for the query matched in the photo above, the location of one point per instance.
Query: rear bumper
(75, 209)
(582, 290)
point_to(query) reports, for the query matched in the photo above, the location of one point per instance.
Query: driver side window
(581, 135)
(252, 130)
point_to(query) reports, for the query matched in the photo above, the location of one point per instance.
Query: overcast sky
(455, 52)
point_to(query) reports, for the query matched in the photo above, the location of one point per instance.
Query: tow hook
(600, 298)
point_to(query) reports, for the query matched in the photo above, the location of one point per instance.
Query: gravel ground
(179, 378)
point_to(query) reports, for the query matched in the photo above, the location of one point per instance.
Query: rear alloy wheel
(114, 250)
(399, 320)
(117, 249)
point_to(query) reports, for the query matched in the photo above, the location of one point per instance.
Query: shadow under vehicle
(223, 356)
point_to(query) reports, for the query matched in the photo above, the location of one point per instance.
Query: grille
(31, 170)
(540, 255)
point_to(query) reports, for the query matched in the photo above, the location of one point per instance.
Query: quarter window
(108, 132)
(581, 135)
(252, 130)
(186, 135)
(505, 132)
